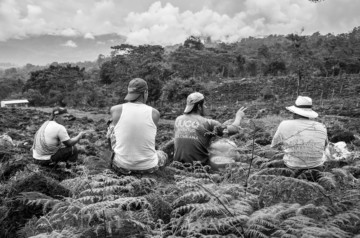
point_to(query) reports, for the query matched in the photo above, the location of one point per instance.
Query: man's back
(192, 138)
(303, 142)
(135, 134)
(48, 140)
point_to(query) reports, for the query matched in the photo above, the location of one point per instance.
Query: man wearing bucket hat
(193, 132)
(302, 139)
(133, 131)
(52, 143)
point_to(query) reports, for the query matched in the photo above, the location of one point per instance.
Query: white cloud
(166, 24)
(68, 32)
(171, 21)
(70, 44)
(88, 35)
(34, 10)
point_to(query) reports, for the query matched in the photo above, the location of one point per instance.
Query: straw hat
(303, 107)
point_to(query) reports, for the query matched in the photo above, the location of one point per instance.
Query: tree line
(174, 71)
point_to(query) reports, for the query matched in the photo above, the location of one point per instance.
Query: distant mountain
(6, 65)
(45, 49)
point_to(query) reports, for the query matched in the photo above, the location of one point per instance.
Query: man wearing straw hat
(302, 139)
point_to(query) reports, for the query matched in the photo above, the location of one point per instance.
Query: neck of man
(198, 112)
(296, 116)
(140, 100)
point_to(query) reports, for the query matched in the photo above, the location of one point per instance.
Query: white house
(15, 103)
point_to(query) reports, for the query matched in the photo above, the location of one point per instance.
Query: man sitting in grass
(194, 132)
(132, 132)
(302, 139)
(52, 144)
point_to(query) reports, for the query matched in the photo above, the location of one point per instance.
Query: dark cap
(59, 111)
(136, 87)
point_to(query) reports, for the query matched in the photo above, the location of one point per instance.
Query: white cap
(191, 100)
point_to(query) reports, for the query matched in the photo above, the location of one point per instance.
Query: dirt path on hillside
(96, 116)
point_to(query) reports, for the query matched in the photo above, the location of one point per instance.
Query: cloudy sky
(171, 21)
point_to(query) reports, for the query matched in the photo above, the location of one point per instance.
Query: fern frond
(319, 232)
(346, 219)
(219, 236)
(327, 180)
(276, 171)
(90, 199)
(340, 172)
(288, 236)
(212, 226)
(75, 185)
(313, 211)
(37, 198)
(207, 209)
(125, 203)
(119, 223)
(197, 210)
(291, 190)
(255, 233)
(298, 222)
(287, 212)
(261, 179)
(106, 190)
(338, 231)
(192, 197)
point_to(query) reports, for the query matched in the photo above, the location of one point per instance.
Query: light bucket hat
(303, 107)
(191, 100)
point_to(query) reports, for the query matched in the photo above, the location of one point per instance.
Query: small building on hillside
(15, 103)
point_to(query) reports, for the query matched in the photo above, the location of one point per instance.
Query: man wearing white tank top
(134, 131)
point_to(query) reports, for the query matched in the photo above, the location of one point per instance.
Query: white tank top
(135, 138)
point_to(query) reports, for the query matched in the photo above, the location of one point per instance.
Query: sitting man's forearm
(234, 127)
(72, 141)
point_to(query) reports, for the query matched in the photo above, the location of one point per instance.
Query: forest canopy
(197, 59)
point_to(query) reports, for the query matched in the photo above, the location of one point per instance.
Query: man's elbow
(68, 143)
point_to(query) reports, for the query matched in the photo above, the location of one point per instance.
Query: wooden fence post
(321, 98)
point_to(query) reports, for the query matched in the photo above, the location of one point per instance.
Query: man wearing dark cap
(52, 143)
(134, 128)
(194, 132)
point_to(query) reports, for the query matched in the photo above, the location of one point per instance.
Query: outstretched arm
(74, 140)
(234, 127)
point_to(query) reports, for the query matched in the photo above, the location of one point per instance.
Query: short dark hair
(299, 116)
(195, 107)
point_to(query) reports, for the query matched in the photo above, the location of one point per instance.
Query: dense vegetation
(248, 199)
(199, 60)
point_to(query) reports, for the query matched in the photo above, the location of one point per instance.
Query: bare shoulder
(115, 113)
(155, 116)
(116, 108)
(155, 112)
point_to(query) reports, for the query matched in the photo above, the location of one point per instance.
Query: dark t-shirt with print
(192, 138)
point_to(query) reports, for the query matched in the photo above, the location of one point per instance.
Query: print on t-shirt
(186, 128)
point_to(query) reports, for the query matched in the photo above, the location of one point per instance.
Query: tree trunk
(298, 84)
